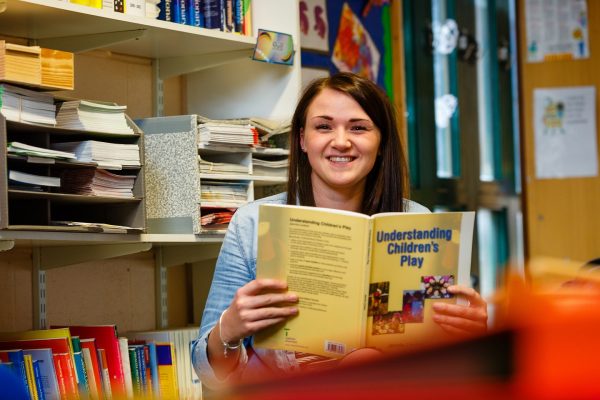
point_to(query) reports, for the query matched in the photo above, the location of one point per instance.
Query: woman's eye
(323, 127)
(358, 128)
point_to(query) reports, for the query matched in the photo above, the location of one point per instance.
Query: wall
(562, 217)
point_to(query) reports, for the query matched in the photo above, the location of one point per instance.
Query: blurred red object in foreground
(545, 347)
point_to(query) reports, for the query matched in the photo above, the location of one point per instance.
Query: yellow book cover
(33, 393)
(362, 281)
(88, 3)
(167, 371)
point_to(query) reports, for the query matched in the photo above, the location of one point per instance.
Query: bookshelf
(219, 81)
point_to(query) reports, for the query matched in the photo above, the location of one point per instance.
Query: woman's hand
(462, 319)
(257, 305)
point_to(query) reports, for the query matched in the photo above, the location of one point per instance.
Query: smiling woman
(345, 154)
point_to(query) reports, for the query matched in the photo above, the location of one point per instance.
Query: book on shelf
(16, 358)
(47, 373)
(21, 179)
(20, 63)
(377, 276)
(173, 360)
(106, 338)
(94, 116)
(91, 359)
(28, 106)
(23, 149)
(126, 366)
(30, 375)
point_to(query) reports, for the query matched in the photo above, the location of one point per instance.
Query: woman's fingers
(457, 318)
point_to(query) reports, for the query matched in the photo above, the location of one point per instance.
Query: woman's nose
(341, 139)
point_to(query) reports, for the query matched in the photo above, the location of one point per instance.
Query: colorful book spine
(43, 361)
(90, 357)
(194, 14)
(247, 18)
(82, 379)
(91, 377)
(65, 364)
(136, 380)
(105, 373)
(139, 351)
(37, 374)
(167, 370)
(238, 16)
(154, 368)
(18, 361)
(30, 376)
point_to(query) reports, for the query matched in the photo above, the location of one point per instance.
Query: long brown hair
(387, 183)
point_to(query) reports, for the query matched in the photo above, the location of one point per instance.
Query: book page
(415, 258)
(322, 256)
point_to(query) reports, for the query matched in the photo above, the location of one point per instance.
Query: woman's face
(341, 142)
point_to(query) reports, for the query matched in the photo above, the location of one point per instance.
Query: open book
(362, 281)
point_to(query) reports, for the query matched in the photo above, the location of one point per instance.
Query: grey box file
(172, 174)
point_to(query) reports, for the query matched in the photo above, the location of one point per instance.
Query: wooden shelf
(72, 27)
(70, 198)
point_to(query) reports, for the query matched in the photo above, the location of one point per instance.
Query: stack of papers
(93, 116)
(220, 133)
(97, 182)
(106, 155)
(18, 179)
(223, 194)
(216, 218)
(208, 167)
(270, 167)
(20, 63)
(22, 105)
(23, 149)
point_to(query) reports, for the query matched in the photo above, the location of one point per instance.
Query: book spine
(37, 373)
(68, 372)
(91, 375)
(193, 13)
(139, 351)
(176, 11)
(104, 373)
(154, 368)
(125, 366)
(81, 373)
(212, 14)
(247, 18)
(60, 378)
(135, 372)
(238, 16)
(228, 16)
(18, 360)
(165, 10)
(30, 376)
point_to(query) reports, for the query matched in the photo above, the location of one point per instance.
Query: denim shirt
(236, 266)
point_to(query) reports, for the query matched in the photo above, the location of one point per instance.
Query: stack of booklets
(58, 69)
(25, 181)
(270, 167)
(20, 63)
(229, 134)
(223, 194)
(106, 155)
(209, 167)
(97, 182)
(22, 105)
(22, 149)
(93, 116)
